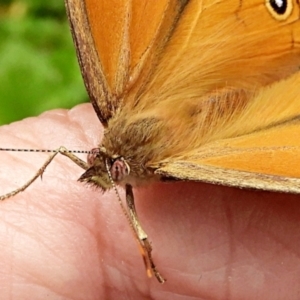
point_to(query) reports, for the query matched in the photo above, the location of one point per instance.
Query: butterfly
(198, 90)
(191, 90)
(186, 89)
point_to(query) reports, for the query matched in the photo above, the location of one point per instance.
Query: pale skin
(63, 240)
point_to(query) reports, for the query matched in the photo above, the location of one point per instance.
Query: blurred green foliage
(38, 67)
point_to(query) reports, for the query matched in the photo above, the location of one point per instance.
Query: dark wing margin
(182, 170)
(118, 46)
(90, 65)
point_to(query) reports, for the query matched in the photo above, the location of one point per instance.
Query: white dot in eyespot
(279, 3)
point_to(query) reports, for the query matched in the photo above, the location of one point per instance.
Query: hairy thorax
(139, 141)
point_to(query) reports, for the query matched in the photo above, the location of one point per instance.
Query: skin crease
(63, 240)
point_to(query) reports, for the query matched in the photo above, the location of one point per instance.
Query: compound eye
(92, 156)
(119, 170)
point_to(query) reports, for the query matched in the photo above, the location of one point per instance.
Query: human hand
(61, 239)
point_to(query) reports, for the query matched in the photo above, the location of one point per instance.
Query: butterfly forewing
(118, 45)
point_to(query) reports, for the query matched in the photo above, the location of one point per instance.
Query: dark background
(38, 67)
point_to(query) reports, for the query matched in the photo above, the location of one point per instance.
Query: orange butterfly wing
(260, 149)
(139, 50)
(220, 44)
(118, 43)
(155, 56)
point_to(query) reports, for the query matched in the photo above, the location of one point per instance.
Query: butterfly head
(105, 170)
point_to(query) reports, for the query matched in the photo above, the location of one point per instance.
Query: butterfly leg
(61, 150)
(142, 237)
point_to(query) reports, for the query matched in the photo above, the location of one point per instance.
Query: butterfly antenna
(42, 150)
